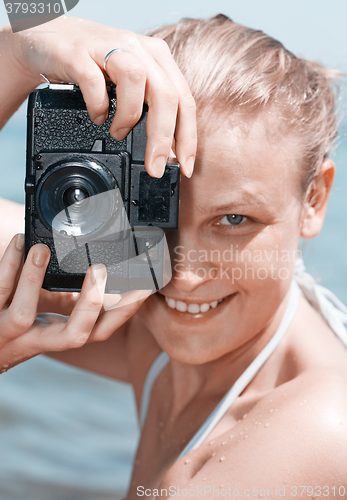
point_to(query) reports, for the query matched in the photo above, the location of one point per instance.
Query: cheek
(268, 259)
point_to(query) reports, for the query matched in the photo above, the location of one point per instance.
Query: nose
(188, 271)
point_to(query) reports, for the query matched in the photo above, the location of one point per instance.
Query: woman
(240, 383)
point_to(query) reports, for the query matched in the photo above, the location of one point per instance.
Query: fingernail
(20, 242)
(99, 120)
(40, 257)
(189, 166)
(100, 274)
(158, 166)
(120, 133)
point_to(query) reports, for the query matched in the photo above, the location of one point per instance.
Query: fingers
(9, 267)
(162, 102)
(87, 74)
(186, 135)
(111, 320)
(149, 73)
(129, 75)
(137, 83)
(22, 312)
(185, 132)
(59, 333)
(88, 307)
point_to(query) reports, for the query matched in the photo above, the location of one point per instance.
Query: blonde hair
(229, 66)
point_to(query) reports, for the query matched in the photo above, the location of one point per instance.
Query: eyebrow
(250, 199)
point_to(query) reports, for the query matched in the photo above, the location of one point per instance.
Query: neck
(215, 378)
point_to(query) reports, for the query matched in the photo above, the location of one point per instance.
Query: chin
(203, 329)
(191, 337)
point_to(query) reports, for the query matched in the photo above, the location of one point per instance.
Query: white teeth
(171, 303)
(194, 308)
(204, 307)
(191, 308)
(181, 306)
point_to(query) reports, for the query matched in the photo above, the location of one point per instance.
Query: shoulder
(296, 436)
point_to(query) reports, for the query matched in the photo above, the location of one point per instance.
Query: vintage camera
(90, 199)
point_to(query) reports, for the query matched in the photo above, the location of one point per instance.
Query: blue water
(66, 434)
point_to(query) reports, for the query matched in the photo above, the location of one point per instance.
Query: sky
(315, 29)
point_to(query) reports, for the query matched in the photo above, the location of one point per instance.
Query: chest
(165, 435)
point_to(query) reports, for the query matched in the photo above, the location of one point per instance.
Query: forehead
(248, 156)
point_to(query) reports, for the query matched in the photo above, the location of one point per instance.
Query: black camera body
(89, 197)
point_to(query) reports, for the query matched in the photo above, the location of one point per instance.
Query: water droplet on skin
(270, 400)
(222, 459)
(241, 433)
(245, 415)
(5, 366)
(285, 481)
(211, 442)
(187, 461)
(224, 442)
(271, 410)
(267, 425)
(230, 435)
(204, 479)
(213, 454)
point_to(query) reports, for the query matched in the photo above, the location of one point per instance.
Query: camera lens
(74, 195)
(73, 198)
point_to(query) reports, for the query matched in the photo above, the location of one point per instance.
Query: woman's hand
(73, 50)
(23, 335)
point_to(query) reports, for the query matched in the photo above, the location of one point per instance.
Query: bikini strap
(157, 366)
(247, 375)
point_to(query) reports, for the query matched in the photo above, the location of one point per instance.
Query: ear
(317, 200)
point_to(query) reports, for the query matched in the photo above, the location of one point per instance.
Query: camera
(90, 199)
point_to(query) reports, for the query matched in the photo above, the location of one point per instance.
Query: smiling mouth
(185, 307)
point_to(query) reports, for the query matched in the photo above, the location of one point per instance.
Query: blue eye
(233, 219)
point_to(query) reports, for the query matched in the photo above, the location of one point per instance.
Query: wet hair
(230, 67)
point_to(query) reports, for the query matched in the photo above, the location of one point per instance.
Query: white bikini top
(324, 301)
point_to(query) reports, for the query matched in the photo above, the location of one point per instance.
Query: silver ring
(109, 54)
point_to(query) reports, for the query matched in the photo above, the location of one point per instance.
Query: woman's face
(238, 234)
